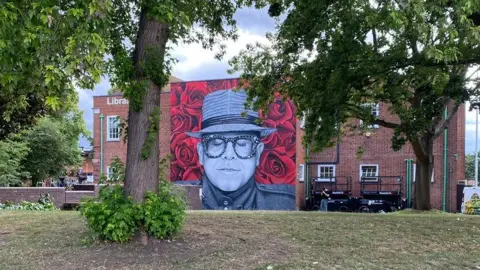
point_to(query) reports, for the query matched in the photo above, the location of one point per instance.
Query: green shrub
(45, 203)
(163, 213)
(114, 217)
(111, 215)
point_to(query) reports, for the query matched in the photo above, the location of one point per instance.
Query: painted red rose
(192, 173)
(286, 134)
(271, 140)
(185, 150)
(275, 168)
(221, 84)
(181, 122)
(176, 172)
(280, 111)
(288, 141)
(192, 98)
(176, 91)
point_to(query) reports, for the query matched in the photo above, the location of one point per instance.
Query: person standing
(324, 200)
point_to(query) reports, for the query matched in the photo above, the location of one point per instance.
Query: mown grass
(250, 240)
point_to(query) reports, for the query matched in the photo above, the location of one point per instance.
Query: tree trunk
(141, 174)
(424, 168)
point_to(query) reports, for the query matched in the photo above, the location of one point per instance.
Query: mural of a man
(229, 151)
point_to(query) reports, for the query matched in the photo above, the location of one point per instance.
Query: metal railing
(381, 185)
(334, 184)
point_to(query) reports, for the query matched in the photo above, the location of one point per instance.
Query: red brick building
(378, 158)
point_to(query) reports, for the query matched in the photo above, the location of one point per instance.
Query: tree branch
(445, 123)
(384, 123)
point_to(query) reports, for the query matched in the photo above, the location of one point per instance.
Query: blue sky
(195, 63)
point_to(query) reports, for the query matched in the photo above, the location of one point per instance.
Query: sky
(196, 63)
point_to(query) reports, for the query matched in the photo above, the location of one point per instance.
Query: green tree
(12, 153)
(47, 47)
(333, 58)
(117, 174)
(470, 166)
(53, 145)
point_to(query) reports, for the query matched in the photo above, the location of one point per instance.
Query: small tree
(117, 168)
(470, 166)
(12, 153)
(53, 145)
(335, 57)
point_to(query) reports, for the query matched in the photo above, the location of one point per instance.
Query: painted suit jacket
(251, 196)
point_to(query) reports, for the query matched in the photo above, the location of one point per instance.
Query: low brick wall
(193, 197)
(32, 194)
(74, 196)
(61, 196)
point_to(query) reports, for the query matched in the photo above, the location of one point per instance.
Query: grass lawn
(250, 240)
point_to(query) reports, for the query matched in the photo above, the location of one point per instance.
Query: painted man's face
(230, 159)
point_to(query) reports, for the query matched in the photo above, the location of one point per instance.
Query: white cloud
(193, 56)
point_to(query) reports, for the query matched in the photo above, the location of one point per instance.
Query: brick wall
(377, 151)
(32, 194)
(392, 163)
(119, 148)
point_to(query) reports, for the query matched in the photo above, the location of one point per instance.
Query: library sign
(117, 101)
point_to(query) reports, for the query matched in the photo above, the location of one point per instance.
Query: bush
(111, 215)
(114, 217)
(44, 204)
(163, 213)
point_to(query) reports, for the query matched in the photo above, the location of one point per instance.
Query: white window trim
(107, 129)
(302, 121)
(107, 173)
(319, 179)
(301, 172)
(365, 165)
(432, 179)
(414, 172)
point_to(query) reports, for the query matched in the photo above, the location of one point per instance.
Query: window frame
(107, 174)
(369, 165)
(320, 179)
(108, 135)
(301, 172)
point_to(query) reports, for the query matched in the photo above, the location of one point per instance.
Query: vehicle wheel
(364, 209)
(343, 208)
(381, 211)
(393, 209)
(315, 208)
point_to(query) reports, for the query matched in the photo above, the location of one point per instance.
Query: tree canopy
(336, 58)
(53, 145)
(46, 48)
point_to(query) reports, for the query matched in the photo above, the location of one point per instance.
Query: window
(301, 172)
(369, 172)
(375, 111)
(109, 172)
(113, 128)
(302, 121)
(326, 173)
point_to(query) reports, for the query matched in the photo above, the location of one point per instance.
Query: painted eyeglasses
(244, 146)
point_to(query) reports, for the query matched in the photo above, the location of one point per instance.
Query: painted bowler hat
(224, 111)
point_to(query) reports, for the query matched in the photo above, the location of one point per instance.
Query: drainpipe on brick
(101, 144)
(407, 186)
(307, 176)
(445, 152)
